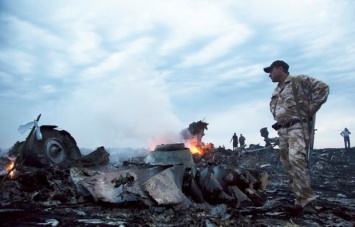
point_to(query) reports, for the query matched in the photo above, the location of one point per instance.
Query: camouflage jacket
(312, 93)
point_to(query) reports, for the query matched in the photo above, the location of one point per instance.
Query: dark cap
(276, 64)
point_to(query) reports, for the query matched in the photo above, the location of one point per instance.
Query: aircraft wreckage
(52, 173)
(167, 176)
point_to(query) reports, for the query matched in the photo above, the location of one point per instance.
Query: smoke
(124, 111)
(119, 155)
(186, 134)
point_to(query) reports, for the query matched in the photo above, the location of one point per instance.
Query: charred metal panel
(170, 154)
(166, 187)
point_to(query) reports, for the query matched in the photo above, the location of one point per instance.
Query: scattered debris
(55, 185)
(220, 189)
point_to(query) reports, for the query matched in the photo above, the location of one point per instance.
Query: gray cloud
(133, 74)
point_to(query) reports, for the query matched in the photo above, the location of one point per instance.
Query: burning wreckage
(171, 185)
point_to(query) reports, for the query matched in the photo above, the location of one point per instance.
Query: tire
(57, 147)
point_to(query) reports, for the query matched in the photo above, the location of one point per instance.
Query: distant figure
(241, 141)
(235, 141)
(346, 134)
(265, 133)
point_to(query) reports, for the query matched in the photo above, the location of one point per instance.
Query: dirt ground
(24, 201)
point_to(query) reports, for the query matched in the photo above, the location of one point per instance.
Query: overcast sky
(135, 73)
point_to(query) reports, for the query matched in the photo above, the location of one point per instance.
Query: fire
(196, 150)
(10, 170)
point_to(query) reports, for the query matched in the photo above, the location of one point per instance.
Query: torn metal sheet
(232, 183)
(133, 184)
(77, 175)
(166, 187)
(111, 186)
(211, 189)
(161, 184)
(217, 184)
(192, 188)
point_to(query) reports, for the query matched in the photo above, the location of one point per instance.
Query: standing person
(292, 111)
(241, 141)
(346, 134)
(235, 141)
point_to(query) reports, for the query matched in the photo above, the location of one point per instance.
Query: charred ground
(47, 197)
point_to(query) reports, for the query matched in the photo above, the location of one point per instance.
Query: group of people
(235, 141)
(345, 133)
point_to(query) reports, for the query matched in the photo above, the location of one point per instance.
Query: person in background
(242, 141)
(235, 141)
(294, 102)
(346, 134)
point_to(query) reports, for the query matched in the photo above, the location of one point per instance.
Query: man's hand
(275, 126)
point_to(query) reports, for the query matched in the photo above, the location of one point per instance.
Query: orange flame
(10, 170)
(196, 150)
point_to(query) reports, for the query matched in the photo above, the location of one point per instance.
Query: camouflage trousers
(293, 155)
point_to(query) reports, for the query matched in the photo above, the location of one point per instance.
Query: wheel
(57, 147)
(55, 151)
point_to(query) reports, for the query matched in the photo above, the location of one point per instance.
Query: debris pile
(53, 184)
(220, 189)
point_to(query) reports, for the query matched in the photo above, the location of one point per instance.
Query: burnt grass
(46, 197)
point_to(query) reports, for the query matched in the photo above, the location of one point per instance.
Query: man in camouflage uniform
(292, 126)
